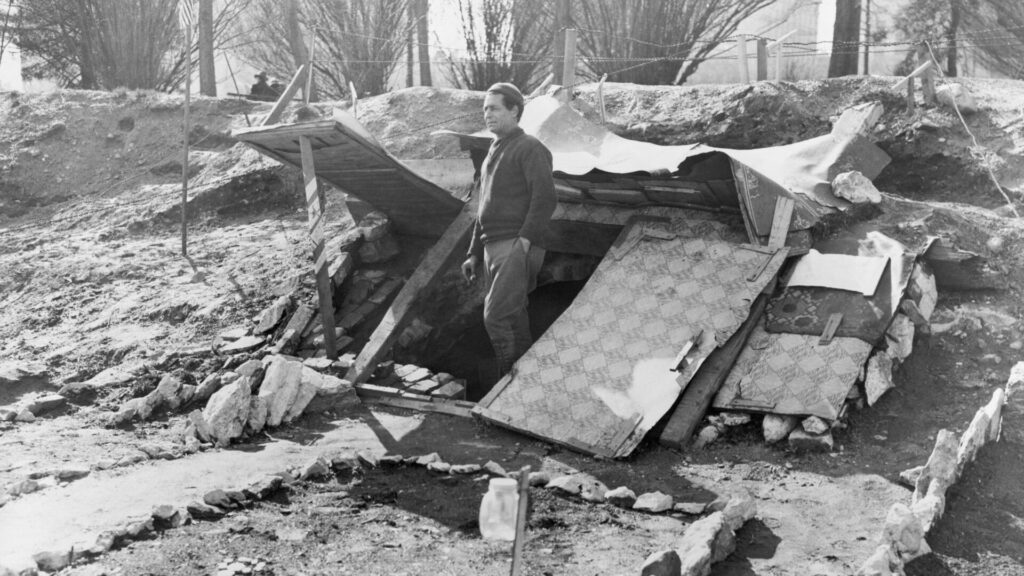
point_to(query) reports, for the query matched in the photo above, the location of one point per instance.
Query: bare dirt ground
(91, 279)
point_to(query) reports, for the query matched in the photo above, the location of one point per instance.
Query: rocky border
(707, 540)
(903, 534)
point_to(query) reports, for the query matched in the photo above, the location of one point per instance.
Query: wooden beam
(297, 81)
(697, 396)
(398, 316)
(780, 222)
(316, 216)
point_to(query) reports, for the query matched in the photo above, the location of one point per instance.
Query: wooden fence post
(779, 45)
(741, 56)
(762, 59)
(928, 76)
(569, 69)
(316, 215)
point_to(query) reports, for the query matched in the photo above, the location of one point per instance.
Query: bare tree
(505, 41)
(107, 44)
(645, 42)
(845, 39)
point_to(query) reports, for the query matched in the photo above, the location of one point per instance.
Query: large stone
(662, 563)
(653, 502)
(280, 387)
(466, 468)
(166, 517)
(900, 337)
(856, 188)
(52, 560)
(309, 386)
(228, 410)
(317, 469)
(882, 562)
(878, 379)
(167, 393)
(954, 95)
(46, 403)
(578, 485)
(740, 508)
(70, 473)
(428, 459)
(263, 488)
(1012, 428)
(271, 316)
(705, 541)
(815, 425)
(257, 414)
(244, 344)
(204, 511)
(622, 497)
(16, 371)
(211, 384)
(202, 429)
(904, 532)
(778, 426)
(538, 478)
(111, 377)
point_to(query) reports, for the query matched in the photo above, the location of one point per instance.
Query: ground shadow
(753, 540)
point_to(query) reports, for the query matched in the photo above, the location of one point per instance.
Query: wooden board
(440, 256)
(316, 216)
(697, 396)
(348, 157)
(780, 222)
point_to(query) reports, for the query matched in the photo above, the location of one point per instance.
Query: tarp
(615, 361)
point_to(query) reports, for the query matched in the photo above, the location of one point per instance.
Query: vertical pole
(600, 96)
(354, 95)
(521, 510)
(910, 95)
(569, 67)
(423, 39)
(307, 92)
(867, 37)
(207, 71)
(741, 57)
(928, 77)
(410, 43)
(762, 59)
(778, 61)
(315, 213)
(184, 158)
(561, 23)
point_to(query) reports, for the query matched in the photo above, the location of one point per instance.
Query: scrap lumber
(780, 222)
(294, 330)
(438, 258)
(316, 214)
(959, 270)
(394, 397)
(696, 398)
(286, 97)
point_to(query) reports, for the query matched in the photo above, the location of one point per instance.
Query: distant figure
(277, 87)
(261, 89)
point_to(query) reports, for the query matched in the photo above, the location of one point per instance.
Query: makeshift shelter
(690, 237)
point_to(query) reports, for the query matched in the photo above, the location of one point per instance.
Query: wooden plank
(398, 316)
(829, 332)
(520, 538)
(316, 216)
(437, 406)
(294, 330)
(780, 222)
(695, 399)
(282, 102)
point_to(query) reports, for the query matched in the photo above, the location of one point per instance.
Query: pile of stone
(267, 394)
(902, 537)
(418, 380)
(28, 409)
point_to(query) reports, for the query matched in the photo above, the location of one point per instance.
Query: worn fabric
(511, 274)
(517, 192)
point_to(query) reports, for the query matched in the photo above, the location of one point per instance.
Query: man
(261, 89)
(517, 198)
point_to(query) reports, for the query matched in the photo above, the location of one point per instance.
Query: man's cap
(262, 75)
(510, 92)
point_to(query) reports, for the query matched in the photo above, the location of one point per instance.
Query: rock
(16, 371)
(622, 497)
(392, 461)
(856, 188)
(250, 368)
(538, 478)
(69, 473)
(734, 418)
(225, 499)
(47, 403)
(264, 488)
(954, 95)
(570, 483)
(900, 337)
(467, 469)
(909, 476)
(280, 388)
(662, 563)
(227, 411)
(706, 436)
(690, 508)
(111, 377)
(271, 316)
(815, 425)
(705, 541)
(778, 426)
(423, 387)
(211, 384)
(882, 562)
(8, 415)
(802, 441)
(167, 393)
(904, 531)
(258, 412)
(453, 390)
(25, 415)
(203, 511)
(319, 363)
(166, 517)
(594, 491)
(158, 451)
(372, 460)
(442, 467)
(245, 344)
(203, 431)
(374, 226)
(379, 250)
(653, 502)
(104, 543)
(52, 560)
(417, 375)
(139, 529)
(26, 486)
(234, 333)
(310, 383)
(316, 469)
(494, 469)
(878, 379)
(740, 508)
(429, 458)
(289, 534)
(332, 395)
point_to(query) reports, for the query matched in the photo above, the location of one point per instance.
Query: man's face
(499, 119)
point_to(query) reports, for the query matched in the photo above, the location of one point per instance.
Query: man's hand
(525, 244)
(469, 268)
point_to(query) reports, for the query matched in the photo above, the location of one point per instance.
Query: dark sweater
(517, 192)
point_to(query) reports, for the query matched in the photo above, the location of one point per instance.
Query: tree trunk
(954, 26)
(845, 39)
(207, 71)
(86, 60)
(423, 37)
(410, 48)
(297, 44)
